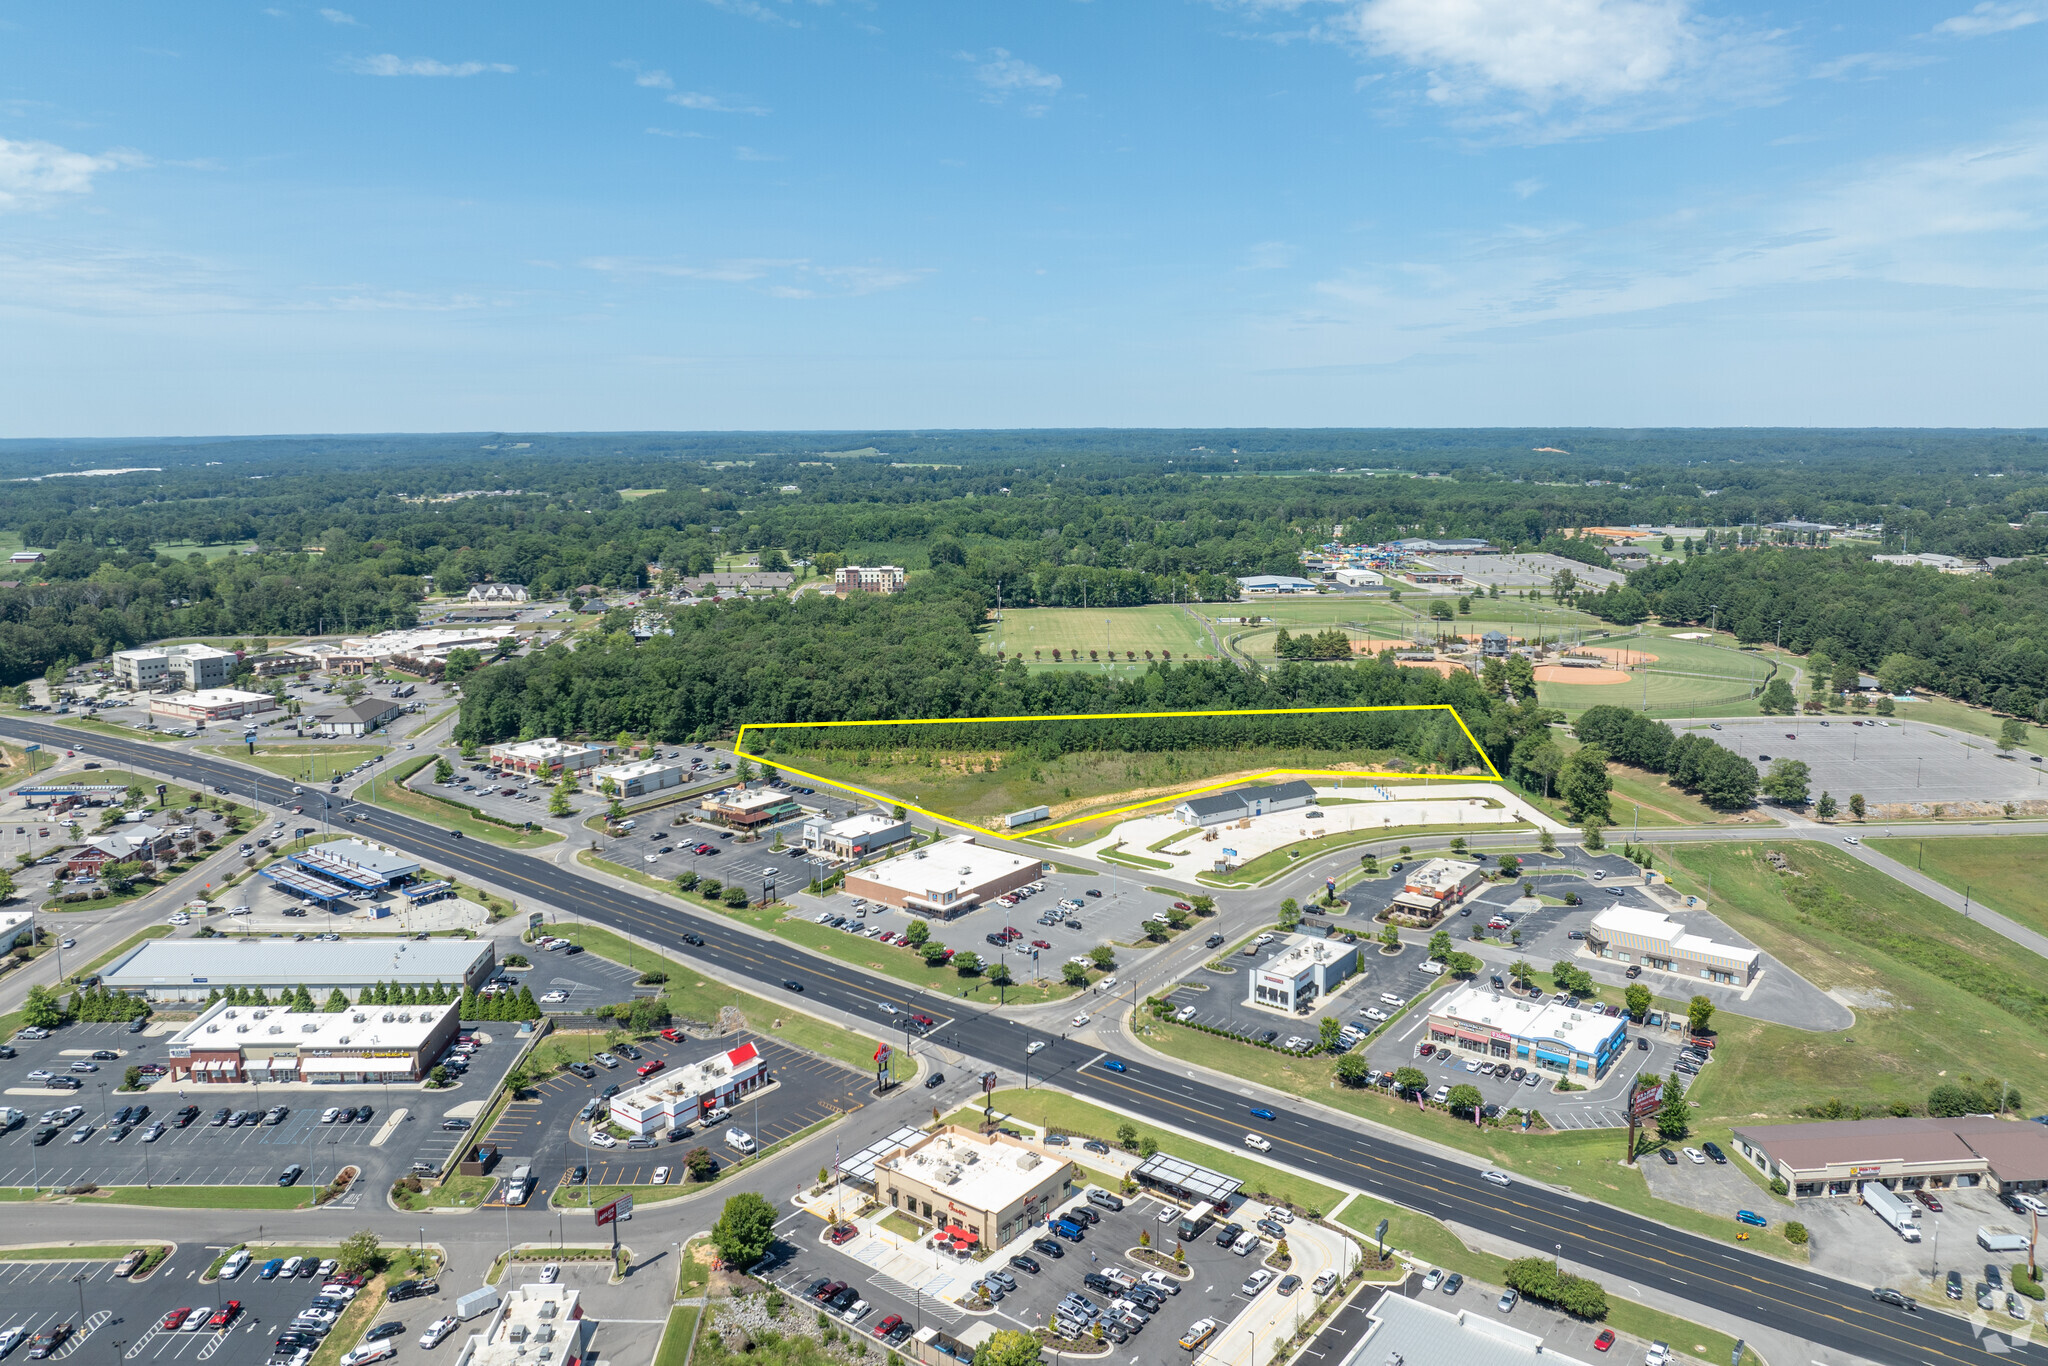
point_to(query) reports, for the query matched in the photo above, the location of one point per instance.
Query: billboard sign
(618, 1209)
(1646, 1102)
(882, 1055)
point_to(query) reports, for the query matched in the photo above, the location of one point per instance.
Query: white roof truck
(1890, 1208)
(2001, 1240)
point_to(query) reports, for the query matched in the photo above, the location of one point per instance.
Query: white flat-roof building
(1352, 576)
(211, 704)
(1635, 934)
(1437, 886)
(1306, 968)
(1276, 583)
(17, 927)
(1557, 1038)
(946, 879)
(234, 1044)
(547, 755)
(191, 969)
(641, 777)
(535, 1325)
(746, 807)
(974, 1188)
(681, 1095)
(1405, 1332)
(855, 836)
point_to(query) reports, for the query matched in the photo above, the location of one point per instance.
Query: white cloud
(780, 278)
(1002, 75)
(1870, 65)
(1540, 70)
(652, 77)
(753, 10)
(697, 99)
(388, 64)
(33, 174)
(671, 133)
(1524, 188)
(1988, 18)
(752, 154)
(335, 16)
(1269, 256)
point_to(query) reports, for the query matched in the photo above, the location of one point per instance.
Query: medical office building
(1568, 1040)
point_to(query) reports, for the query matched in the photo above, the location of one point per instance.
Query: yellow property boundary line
(1492, 774)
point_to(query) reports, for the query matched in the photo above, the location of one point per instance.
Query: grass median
(206, 1197)
(1268, 866)
(300, 763)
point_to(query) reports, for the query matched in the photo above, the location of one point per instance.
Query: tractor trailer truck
(1890, 1208)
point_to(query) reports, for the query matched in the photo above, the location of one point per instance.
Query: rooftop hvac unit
(229, 1013)
(213, 1029)
(342, 1039)
(310, 1027)
(359, 1017)
(546, 1310)
(405, 1017)
(261, 1014)
(277, 1029)
(241, 1029)
(387, 1017)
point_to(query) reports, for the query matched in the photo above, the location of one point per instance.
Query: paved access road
(1630, 1250)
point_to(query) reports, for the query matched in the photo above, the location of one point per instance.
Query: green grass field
(1936, 992)
(178, 550)
(1033, 633)
(300, 763)
(983, 786)
(2003, 871)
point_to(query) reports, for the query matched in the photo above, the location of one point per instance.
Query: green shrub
(1795, 1233)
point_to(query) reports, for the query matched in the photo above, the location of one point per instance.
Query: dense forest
(347, 532)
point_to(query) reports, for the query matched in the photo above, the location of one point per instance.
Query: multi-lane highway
(1628, 1250)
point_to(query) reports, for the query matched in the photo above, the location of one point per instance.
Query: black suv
(1713, 1150)
(1228, 1234)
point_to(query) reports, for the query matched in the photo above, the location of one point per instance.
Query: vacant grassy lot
(1934, 993)
(300, 763)
(2002, 871)
(1033, 633)
(210, 551)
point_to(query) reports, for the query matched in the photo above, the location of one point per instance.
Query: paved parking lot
(1896, 763)
(1113, 918)
(543, 1130)
(205, 1154)
(586, 980)
(1211, 1291)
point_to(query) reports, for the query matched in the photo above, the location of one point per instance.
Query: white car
(554, 998)
(1163, 1283)
(1497, 1178)
(1106, 983)
(181, 919)
(1375, 1013)
(1851, 839)
(1698, 1158)
(1281, 1213)
(1036, 1044)
(330, 1114)
(1168, 1214)
(660, 1176)
(1258, 1142)
(1658, 1355)
(371, 1351)
(600, 1139)
(552, 1272)
(438, 1331)
(1434, 1279)
(1080, 1020)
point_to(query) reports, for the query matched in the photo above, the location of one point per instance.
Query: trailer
(476, 1302)
(2001, 1240)
(1890, 1208)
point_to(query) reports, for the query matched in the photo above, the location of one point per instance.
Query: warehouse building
(682, 1095)
(210, 704)
(1633, 934)
(1276, 583)
(1567, 1039)
(974, 1189)
(167, 970)
(1221, 808)
(855, 836)
(1834, 1158)
(1351, 576)
(946, 879)
(643, 778)
(234, 1045)
(359, 718)
(1305, 969)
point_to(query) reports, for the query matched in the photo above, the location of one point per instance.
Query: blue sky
(709, 214)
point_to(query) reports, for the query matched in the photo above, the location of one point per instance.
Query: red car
(1425, 1050)
(648, 1069)
(176, 1317)
(672, 1035)
(1928, 1200)
(840, 1233)
(225, 1315)
(888, 1325)
(1040, 944)
(1604, 1341)
(1182, 906)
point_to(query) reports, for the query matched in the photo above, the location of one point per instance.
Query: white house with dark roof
(1221, 808)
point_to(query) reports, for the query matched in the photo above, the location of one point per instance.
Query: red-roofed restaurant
(682, 1095)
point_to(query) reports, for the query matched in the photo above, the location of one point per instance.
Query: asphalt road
(1630, 1251)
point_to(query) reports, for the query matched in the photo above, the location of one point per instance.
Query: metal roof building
(1184, 1180)
(1412, 1333)
(1217, 808)
(189, 969)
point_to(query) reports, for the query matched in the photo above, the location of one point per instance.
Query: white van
(1430, 966)
(739, 1140)
(1259, 1142)
(234, 1265)
(1247, 1243)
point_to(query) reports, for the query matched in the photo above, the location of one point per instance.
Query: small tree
(1127, 1134)
(1440, 945)
(1674, 1115)
(1410, 1079)
(1547, 842)
(1699, 1013)
(1390, 937)
(1638, 997)
(361, 1252)
(1103, 956)
(917, 932)
(1825, 807)
(744, 1229)
(1510, 866)
(1464, 1099)
(1327, 1033)
(967, 964)
(1074, 975)
(2012, 733)
(1290, 913)
(1204, 905)
(1856, 807)
(700, 1164)
(1351, 1069)
(1370, 863)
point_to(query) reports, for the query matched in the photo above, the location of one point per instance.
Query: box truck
(1890, 1208)
(2001, 1240)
